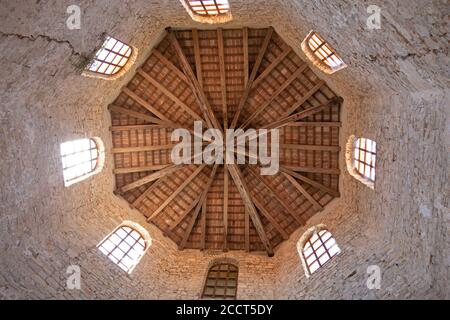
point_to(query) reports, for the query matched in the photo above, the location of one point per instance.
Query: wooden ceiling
(246, 78)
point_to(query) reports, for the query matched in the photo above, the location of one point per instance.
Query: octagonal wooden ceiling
(227, 78)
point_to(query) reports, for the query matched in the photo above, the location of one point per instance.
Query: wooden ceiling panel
(227, 78)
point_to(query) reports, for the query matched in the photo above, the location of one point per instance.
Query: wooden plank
(203, 227)
(140, 169)
(136, 127)
(272, 66)
(303, 99)
(197, 209)
(149, 190)
(183, 215)
(311, 182)
(144, 103)
(200, 96)
(135, 114)
(143, 148)
(223, 84)
(270, 217)
(309, 147)
(169, 94)
(176, 192)
(142, 116)
(170, 65)
(277, 196)
(294, 182)
(274, 95)
(303, 114)
(252, 76)
(314, 124)
(238, 179)
(245, 50)
(225, 209)
(198, 61)
(151, 177)
(247, 230)
(312, 169)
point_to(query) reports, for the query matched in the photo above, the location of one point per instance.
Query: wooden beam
(271, 219)
(169, 94)
(142, 116)
(312, 169)
(149, 190)
(252, 77)
(151, 177)
(170, 65)
(135, 114)
(140, 169)
(245, 50)
(203, 226)
(185, 212)
(247, 230)
(191, 206)
(135, 127)
(143, 148)
(238, 179)
(303, 114)
(303, 99)
(272, 66)
(223, 80)
(274, 95)
(198, 61)
(277, 196)
(314, 124)
(200, 96)
(309, 147)
(311, 182)
(225, 208)
(176, 192)
(188, 230)
(144, 103)
(294, 182)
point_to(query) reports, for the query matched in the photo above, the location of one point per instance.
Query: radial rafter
(247, 78)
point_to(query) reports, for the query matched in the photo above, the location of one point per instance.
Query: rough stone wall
(46, 227)
(396, 93)
(402, 226)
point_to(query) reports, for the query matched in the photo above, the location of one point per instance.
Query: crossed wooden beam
(208, 118)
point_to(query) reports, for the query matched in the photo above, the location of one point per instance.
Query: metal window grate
(79, 157)
(111, 57)
(364, 158)
(209, 7)
(319, 249)
(324, 51)
(124, 247)
(221, 282)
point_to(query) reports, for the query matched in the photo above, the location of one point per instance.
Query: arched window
(112, 60)
(208, 11)
(360, 157)
(321, 54)
(126, 245)
(81, 158)
(316, 247)
(221, 281)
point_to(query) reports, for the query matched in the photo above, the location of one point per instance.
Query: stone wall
(402, 225)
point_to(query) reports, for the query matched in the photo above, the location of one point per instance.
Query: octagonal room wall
(45, 227)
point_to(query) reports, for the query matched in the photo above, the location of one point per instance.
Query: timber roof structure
(226, 78)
